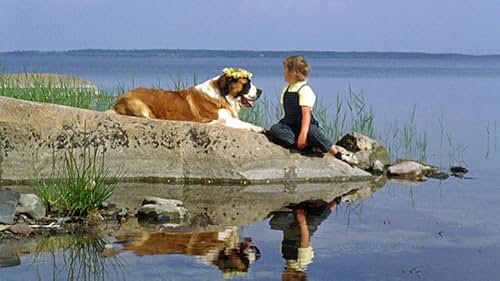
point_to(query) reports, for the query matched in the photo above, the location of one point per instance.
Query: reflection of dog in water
(221, 249)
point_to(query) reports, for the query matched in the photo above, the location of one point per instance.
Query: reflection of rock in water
(364, 192)
(219, 206)
(8, 255)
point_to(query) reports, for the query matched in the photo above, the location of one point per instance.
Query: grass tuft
(79, 186)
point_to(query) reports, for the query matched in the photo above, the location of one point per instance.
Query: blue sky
(437, 26)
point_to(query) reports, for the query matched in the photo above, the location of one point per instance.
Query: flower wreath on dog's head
(237, 73)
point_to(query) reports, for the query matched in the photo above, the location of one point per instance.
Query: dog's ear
(224, 83)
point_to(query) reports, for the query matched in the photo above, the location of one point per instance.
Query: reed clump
(80, 185)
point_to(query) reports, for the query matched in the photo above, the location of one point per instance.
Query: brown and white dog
(216, 101)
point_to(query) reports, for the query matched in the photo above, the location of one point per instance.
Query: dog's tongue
(245, 102)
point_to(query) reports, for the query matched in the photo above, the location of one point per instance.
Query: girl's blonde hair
(297, 66)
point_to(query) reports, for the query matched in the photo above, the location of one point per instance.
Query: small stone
(31, 205)
(110, 251)
(123, 212)
(21, 229)
(163, 213)
(161, 201)
(458, 171)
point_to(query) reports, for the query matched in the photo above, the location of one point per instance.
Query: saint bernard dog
(216, 101)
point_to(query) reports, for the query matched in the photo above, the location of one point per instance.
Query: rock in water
(8, 203)
(411, 170)
(367, 150)
(31, 205)
(458, 171)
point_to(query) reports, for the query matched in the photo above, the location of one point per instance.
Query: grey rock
(364, 159)
(367, 150)
(161, 201)
(458, 171)
(412, 170)
(122, 213)
(8, 203)
(21, 229)
(31, 205)
(378, 167)
(140, 149)
(8, 255)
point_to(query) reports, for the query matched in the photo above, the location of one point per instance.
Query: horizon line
(254, 51)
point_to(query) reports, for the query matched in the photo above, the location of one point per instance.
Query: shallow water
(437, 230)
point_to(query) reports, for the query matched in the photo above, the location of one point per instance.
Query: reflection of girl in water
(298, 225)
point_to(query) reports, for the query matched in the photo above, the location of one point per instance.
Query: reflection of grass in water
(491, 140)
(81, 257)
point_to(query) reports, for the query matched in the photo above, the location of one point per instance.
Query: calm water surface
(437, 230)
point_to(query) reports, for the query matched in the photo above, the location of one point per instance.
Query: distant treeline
(179, 53)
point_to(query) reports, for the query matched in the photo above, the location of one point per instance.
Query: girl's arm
(304, 127)
(304, 230)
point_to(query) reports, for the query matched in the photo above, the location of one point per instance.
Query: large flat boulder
(34, 136)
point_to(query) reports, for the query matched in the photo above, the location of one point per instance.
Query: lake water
(437, 230)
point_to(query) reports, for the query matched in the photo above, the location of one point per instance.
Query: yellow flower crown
(237, 73)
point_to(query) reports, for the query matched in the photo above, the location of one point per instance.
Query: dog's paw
(350, 158)
(258, 129)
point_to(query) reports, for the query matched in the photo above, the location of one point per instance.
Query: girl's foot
(347, 157)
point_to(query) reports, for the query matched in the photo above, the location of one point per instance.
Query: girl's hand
(300, 215)
(301, 141)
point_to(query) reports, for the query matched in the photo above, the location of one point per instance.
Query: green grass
(80, 185)
(37, 87)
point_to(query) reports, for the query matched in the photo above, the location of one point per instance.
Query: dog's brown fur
(184, 105)
(188, 104)
(192, 244)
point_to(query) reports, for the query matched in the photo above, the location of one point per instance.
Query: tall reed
(80, 185)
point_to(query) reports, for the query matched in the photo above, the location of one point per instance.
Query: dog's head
(236, 86)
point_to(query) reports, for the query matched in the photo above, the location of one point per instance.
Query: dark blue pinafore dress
(288, 129)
